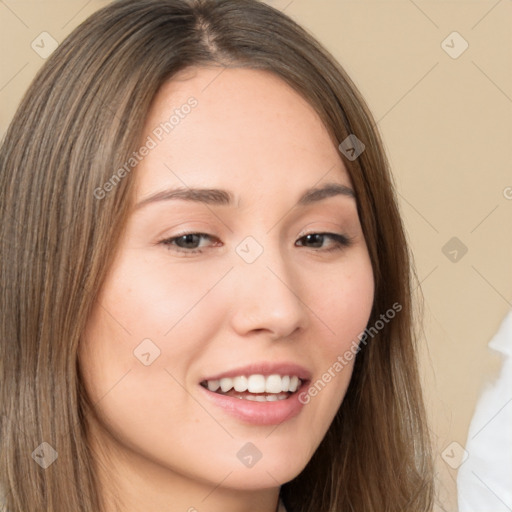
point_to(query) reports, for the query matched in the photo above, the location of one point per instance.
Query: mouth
(256, 387)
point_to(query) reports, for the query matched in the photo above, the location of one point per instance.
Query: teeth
(226, 384)
(213, 385)
(273, 384)
(240, 384)
(294, 384)
(266, 398)
(257, 383)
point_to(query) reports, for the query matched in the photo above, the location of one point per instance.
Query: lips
(261, 394)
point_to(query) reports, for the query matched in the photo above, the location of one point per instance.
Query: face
(243, 265)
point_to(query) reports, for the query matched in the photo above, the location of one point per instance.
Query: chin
(271, 470)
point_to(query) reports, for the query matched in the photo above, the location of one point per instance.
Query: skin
(160, 445)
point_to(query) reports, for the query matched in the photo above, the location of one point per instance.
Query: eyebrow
(220, 197)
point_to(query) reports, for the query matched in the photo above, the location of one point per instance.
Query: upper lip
(264, 368)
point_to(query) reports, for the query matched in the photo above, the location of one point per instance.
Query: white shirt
(485, 478)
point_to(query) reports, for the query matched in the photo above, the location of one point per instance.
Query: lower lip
(258, 413)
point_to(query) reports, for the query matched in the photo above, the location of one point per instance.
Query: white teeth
(265, 398)
(294, 384)
(273, 384)
(226, 384)
(240, 384)
(213, 385)
(257, 383)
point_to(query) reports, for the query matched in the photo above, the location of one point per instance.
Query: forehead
(235, 128)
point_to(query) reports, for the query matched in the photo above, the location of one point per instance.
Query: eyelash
(340, 242)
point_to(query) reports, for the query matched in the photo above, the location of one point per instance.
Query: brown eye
(317, 241)
(189, 242)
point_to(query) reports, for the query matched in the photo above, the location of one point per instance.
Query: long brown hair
(81, 119)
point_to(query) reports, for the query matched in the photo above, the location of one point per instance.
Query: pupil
(315, 240)
(189, 241)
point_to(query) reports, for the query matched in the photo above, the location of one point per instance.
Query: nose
(267, 298)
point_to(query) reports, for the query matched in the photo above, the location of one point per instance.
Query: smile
(256, 387)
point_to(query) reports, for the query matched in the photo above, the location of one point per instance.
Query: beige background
(447, 127)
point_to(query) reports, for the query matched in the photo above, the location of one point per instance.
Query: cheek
(148, 314)
(172, 316)
(152, 298)
(342, 302)
(342, 305)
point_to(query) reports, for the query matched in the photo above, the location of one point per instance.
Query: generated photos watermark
(151, 142)
(344, 359)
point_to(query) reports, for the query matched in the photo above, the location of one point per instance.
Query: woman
(206, 291)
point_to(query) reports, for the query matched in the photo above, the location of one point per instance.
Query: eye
(190, 243)
(318, 241)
